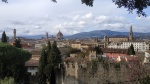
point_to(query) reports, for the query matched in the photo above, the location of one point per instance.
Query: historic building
(138, 45)
(59, 36)
(120, 39)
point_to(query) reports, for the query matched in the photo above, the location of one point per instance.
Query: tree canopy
(17, 43)
(50, 61)
(12, 62)
(4, 38)
(131, 50)
(138, 5)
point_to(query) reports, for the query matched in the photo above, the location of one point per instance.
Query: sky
(36, 17)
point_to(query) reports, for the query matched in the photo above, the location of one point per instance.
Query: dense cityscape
(81, 61)
(74, 42)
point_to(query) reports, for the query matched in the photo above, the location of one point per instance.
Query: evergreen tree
(53, 62)
(56, 57)
(53, 76)
(42, 65)
(131, 50)
(17, 43)
(4, 38)
(48, 45)
(98, 50)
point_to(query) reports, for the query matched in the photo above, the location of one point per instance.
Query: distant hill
(102, 33)
(98, 33)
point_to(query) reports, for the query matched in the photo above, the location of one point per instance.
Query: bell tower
(131, 34)
(47, 36)
(14, 34)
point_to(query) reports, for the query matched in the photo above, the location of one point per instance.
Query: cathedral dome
(59, 35)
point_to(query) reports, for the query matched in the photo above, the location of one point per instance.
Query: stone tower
(14, 34)
(46, 35)
(131, 34)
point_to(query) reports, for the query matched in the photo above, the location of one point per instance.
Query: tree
(131, 5)
(98, 50)
(42, 65)
(131, 50)
(55, 52)
(53, 76)
(48, 48)
(12, 63)
(4, 38)
(53, 62)
(17, 43)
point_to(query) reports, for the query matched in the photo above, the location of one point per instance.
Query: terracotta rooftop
(111, 50)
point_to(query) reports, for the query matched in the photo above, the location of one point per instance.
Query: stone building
(120, 39)
(59, 36)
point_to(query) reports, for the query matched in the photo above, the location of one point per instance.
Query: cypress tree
(4, 38)
(98, 50)
(53, 76)
(55, 52)
(42, 65)
(131, 50)
(48, 46)
(53, 60)
(17, 43)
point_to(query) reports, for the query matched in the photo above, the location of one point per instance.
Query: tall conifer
(53, 76)
(4, 38)
(42, 64)
(131, 50)
(17, 43)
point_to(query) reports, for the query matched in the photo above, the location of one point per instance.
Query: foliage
(98, 50)
(82, 54)
(106, 65)
(12, 62)
(7, 81)
(145, 80)
(53, 76)
(17, 43)
(131, 5)
(94, 63)
(4, 38)
(48, 48)
(50, 60)
(117, 65)
(74, 50)
(41, 68)
(54, 56)
(100, 59)
(131, 50)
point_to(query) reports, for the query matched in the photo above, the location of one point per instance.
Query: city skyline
(37, 17)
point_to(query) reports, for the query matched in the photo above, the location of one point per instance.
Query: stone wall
(103, 74)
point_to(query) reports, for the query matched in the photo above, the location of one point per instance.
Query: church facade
(120, 39)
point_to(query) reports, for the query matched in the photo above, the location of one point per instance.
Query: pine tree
(4, 38)
(41, 69)
(17, 43)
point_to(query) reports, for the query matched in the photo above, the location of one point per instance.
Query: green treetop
(4, 38)
(41, 68)
(131, 50)
(17, 43)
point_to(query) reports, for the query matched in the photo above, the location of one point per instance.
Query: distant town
(107, 60)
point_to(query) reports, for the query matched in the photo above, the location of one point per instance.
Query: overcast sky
(36, 17)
